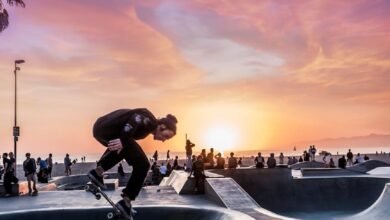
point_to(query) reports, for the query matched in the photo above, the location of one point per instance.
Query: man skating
(118, 131)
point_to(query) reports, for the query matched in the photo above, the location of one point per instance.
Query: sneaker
(96, 179)
(125, 209)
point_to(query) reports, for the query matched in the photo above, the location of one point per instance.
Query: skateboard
(115, 214)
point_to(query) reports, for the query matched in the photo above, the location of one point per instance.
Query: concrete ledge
(307, 164)
(111, 184)
(15, 189)
(180, 182)
(325, 172)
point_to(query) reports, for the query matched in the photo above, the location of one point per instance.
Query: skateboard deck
(116, 213)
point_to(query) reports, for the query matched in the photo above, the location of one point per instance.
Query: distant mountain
(370, 141)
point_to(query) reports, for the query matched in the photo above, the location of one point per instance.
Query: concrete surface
(379, 210)
(145, 212)
(277, 191)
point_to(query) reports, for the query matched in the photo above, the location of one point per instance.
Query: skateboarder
(118, 131)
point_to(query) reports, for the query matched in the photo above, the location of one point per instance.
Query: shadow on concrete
(151, 212)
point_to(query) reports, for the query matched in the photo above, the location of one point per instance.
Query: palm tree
(4, 14)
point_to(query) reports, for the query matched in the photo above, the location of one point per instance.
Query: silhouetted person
(220, 161)
(294, 160)
(281, 158)
(259, 161)
(203, 154)
(239, 162)
(168, 156)
(42, 174)
(359, 158)
(300, 159)
(169, 168)
(176, 164)
(120, 170)
(306, 156)
(271, 162)
(189, 146)
(342, 162)
(9, 173)
(366, 157)
(331, 163)
(155, 156)
(198, 171)
(67, 164)
(49, 162)
(232, 162)
(349, 158)
(210, 157)
(30, 168)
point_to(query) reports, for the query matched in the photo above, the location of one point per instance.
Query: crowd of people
(39, 170)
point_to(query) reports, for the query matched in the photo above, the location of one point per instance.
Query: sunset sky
(238, 75)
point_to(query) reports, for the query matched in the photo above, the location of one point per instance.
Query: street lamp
(16, 131)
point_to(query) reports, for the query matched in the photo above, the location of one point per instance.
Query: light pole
(16, 131)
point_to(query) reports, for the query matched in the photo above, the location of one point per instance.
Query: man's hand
(115, 145)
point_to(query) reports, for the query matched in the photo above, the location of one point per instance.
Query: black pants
(134, 156)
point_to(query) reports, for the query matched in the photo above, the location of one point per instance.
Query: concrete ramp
(379, 210)
(367, 166)
(227, 193)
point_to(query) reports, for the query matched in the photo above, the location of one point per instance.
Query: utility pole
(16, 129)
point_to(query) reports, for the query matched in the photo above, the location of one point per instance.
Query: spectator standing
(198, 171)
(155, 156)
(120, 170)
(189, 146)
(313, 152)
(349, 158)
(168, 156)
(49, 162)
(281, 158)
(210, 157)
(9, 175)
(30, 168)
(67, 164)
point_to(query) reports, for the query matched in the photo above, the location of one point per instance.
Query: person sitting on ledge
(271, 162)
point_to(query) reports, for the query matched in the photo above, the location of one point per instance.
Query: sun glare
(221, 138)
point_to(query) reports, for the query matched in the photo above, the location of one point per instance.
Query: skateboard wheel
(86, 188)
(110, 215)
(98, 196)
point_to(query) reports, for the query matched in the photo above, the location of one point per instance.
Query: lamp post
(16, 131)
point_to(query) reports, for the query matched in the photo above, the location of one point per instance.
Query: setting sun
(221, 138)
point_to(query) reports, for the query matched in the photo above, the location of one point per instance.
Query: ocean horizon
(162, 155)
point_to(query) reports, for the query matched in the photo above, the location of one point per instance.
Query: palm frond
(3, 20)
(16, 3)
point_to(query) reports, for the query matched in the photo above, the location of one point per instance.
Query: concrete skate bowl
(310, 197)
(145, 213)
(378, 210)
